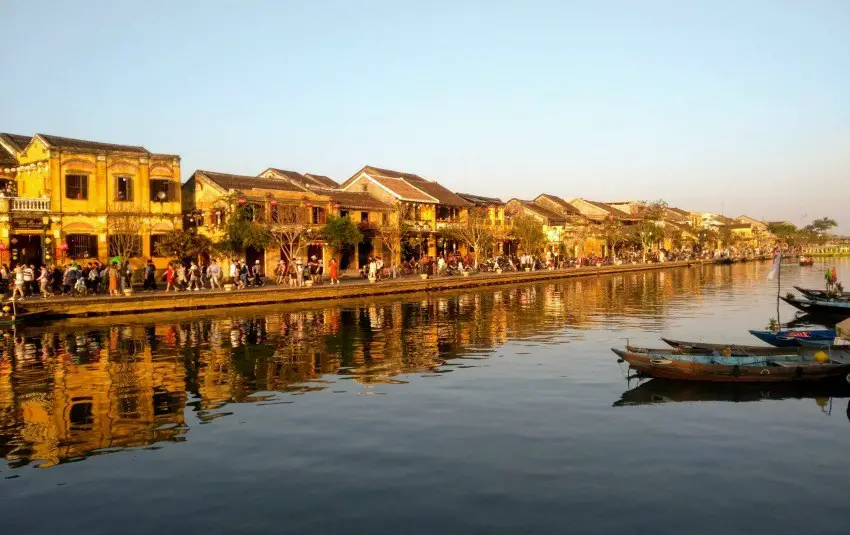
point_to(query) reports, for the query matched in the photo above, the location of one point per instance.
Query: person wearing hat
(256, 271)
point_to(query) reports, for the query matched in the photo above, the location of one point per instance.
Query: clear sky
(741, 106)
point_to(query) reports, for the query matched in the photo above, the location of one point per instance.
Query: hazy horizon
(740, 109)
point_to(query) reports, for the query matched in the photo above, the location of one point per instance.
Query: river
(489, 411)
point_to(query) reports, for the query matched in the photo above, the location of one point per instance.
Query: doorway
(25, 249)
(252, 255)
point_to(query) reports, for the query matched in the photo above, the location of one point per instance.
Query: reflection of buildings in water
(66, 393)
(64, 409)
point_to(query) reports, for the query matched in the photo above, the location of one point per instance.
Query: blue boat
(791, 338)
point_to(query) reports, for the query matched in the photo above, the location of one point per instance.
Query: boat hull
(667, 368)
(790, 338)
(819, 306)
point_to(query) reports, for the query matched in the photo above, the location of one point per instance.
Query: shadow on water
(658, 391)
(90, 387)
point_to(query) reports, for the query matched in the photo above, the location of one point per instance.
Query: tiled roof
(322, 180)
(17, 142)
(611, 210)
(442, 194)
(479, 200)
(679, 211)
(390, 173)
(7, 158)
(242, 182)
(553, 216)
(404, 190)
(80, 144)
(358, 200)
(569, 208)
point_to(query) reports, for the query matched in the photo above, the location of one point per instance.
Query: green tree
(528, 231)
(613, 232)
(784, 233)
(240, 230)
(476, 231)
(818, 230)
(339, 232)
(185, 245)
(649, 231)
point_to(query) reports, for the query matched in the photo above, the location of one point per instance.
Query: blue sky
(736, 106)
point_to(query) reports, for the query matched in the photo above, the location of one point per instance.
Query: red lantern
(242, 201)
(309, 204)
(64, 246)
(2, 246)
(273, 202)
(337, 206)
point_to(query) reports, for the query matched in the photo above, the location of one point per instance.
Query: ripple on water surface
(499, 410)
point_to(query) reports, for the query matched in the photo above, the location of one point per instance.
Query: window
(125, 243)
(318, 216)
(124, 188)
(164, 186)
(385, 218)
(343, 213)
(81, 245)
(77, 187)
(365, 186)
(364, 217)
(274, 214)
(155, 240)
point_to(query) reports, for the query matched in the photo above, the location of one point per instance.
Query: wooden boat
(657, 391)
(734, 369)
(724, 261)
(791, 338)
(718, 351)
(739, 349)
(820, 306)
(822, 294)
(807, 261)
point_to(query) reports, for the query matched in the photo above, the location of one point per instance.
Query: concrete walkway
(159, 300)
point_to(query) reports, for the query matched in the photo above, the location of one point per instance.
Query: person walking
(215, 275)
(93, 279)
(170, 275)
(112, 274)
(280, 271)
(373, 269)
(44, 282)
(333, 270)
(181, 277)
(194, 277)
(19, 284)
(29, 279)
(243, 273)
(149, 276)
(257, 273)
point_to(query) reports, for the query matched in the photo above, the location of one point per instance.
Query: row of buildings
(60, 199)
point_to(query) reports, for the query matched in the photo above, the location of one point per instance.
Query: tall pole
(778, 286)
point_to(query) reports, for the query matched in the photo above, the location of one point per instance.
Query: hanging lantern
(337, 206)
(64, 246)
(242, 201)
(309, 204)
(273, 202)
(2, 246)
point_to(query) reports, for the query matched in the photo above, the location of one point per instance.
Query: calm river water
(493, 411)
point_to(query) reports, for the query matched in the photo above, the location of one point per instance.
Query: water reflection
(87, 387)
(655, 391)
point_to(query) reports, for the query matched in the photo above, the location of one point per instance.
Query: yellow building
(67, 199)
(423, 205)
(281, 197)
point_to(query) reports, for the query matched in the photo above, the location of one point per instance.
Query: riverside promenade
(159, 301)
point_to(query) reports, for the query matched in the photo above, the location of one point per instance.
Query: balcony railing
(24, 204)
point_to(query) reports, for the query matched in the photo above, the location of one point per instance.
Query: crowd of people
(116, 277)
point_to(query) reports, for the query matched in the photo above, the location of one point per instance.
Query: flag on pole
(774, 269)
